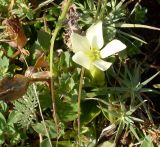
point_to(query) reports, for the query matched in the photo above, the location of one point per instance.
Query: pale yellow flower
(88, 49)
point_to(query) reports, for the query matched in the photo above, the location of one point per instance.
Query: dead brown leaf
(14, 31)
(12, 88)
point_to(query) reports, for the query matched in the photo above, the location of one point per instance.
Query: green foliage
(40, 128)
(8, 131)
(44, 39)
(3, 6)
(112, 113)
(140, 14)
(87, 115)
(25, 108)
(67, 111)
(147, 142)
(4, 63)
(4, 2)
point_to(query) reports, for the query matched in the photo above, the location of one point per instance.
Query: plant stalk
(54, 35)
(40, 110)
(79, 103)
(98, 10)
(101, 17)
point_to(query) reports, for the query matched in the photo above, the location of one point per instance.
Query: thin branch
(98, 10)
(40, 110)
(79, 102)
(54, 35)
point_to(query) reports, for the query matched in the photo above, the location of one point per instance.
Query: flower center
(94, 54)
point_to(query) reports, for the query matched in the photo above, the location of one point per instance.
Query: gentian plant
(89, 50)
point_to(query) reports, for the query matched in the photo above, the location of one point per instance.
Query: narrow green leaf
(99, 100)
(132, 36)
(135, 108)
(119, 131)
(136, 119)
(128, 25)
(119, 5)
(150, 79)
(133, 130)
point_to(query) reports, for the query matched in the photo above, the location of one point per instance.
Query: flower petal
(79, 43)
(102, 65)
(94, 35)
(81, 59)
(111, 48)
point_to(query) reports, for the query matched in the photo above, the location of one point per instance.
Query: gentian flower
(88, 49)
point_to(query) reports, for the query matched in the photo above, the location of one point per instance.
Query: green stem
(54, 35)
(103, 10)
(79, 103)
(98, 9)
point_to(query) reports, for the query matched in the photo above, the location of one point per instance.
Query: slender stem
(40, 110)
(40, 140)
(79, 102)
(103, 10)
(54, 35)
(98, 9)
